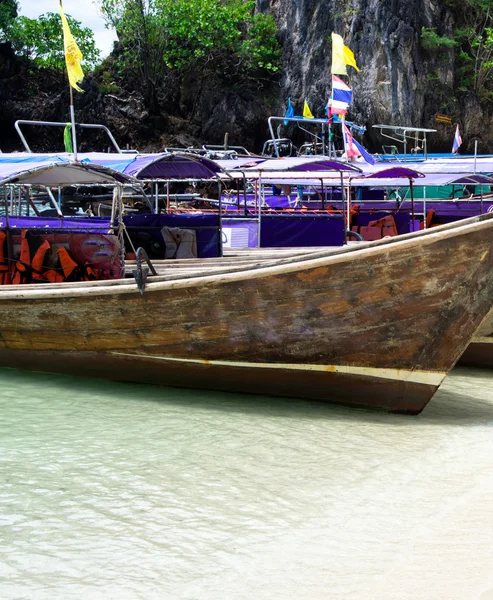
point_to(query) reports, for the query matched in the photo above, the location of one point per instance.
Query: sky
(84, 11)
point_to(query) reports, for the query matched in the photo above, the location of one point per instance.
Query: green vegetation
(41, 40)
(226, 37)
(156, 39)
(186, 33)
(8, 12)
(473, 40)
(344, 9)
(430, 40)
(105, 82)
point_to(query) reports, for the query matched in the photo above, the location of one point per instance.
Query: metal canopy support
(343, 202)
(53, 201)
(259, 207)
(57, 124)
(221, 253)
(293, 120)
(403, 135)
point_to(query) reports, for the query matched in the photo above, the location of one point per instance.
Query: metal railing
(57, 124)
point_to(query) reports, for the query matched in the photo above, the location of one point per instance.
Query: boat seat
(180, 243)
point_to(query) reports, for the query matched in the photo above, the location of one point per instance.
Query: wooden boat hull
(479, 353)
(376, 327)
(379, 390)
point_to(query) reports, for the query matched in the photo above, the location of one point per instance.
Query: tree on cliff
(41, 40)
(224, 37)
(475, 37)
(472, 37)
(8, 12)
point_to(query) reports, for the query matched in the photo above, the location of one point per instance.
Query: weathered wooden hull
(479, 353)
(376, 327)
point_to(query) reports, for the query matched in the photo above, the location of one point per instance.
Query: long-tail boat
(342, 369)
(374, 326)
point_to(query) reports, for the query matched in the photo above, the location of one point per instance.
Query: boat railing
(189, 150)
(77, 125)
(241, 150)
(283, 147)
(406, 136)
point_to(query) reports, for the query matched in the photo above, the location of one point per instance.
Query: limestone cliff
(399, 83)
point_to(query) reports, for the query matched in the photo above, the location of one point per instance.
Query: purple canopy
(305, 163)
(430, 179)
(394, 172)
(172, 166)
(472, 178)
(326, 165)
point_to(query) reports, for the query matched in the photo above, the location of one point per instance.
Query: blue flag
(289, 112)
(364, 153)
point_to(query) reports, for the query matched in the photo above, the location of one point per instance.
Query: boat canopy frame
(405, 135)
(20, 122)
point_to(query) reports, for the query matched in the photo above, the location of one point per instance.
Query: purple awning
(394, 172)
(305, 163)
(430, 179)
(172, 166)
(326, 165)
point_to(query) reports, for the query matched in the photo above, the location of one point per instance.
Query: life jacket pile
(35, 264)
(377, 229)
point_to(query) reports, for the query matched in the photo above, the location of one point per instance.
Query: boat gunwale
(280, 266)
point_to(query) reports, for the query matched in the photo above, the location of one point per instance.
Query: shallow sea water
(126, 491)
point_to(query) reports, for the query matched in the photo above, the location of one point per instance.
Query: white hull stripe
(426, 377)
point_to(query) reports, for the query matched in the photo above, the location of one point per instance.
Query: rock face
(399, 84)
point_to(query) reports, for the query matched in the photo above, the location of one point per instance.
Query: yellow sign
(443, 119)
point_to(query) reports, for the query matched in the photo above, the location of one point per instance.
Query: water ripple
(114, 490)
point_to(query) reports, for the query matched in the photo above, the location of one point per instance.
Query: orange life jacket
(22, 265)
(68, 266)
(38, 259)
(53, 276)
(67, 262)
(429, 217)
(386, 224)
(4, 266)
(91, 274)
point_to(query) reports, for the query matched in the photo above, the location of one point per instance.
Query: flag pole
(72, 120)
(72, 59)
(330, 135)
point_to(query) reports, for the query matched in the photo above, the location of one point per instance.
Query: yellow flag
(341, 56)
(73, 55)
(338, 62)
(307, 113)
(349, 58)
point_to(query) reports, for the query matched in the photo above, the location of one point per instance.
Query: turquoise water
(125, 491)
